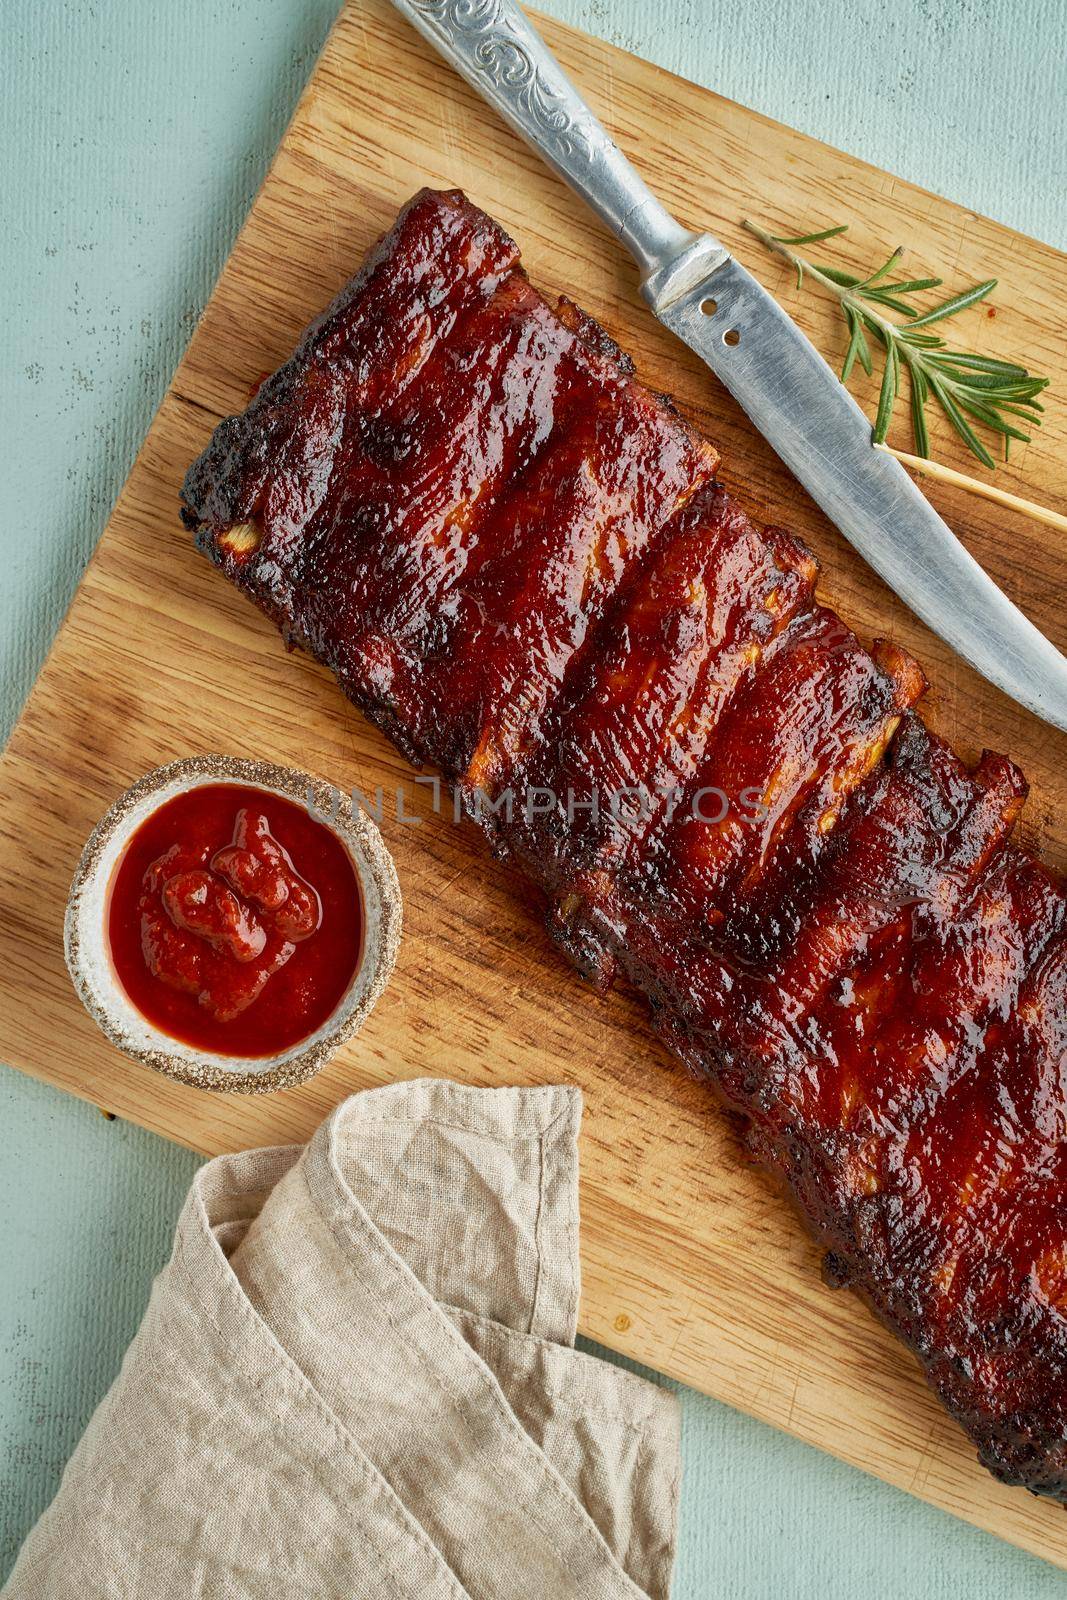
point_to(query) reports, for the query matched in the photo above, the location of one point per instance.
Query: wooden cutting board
(692, 1262)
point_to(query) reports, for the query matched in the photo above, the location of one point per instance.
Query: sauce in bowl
(235, 920)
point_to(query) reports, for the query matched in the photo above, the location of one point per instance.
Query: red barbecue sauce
(235, 920)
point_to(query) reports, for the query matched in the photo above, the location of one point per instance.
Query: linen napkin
(356, 1378)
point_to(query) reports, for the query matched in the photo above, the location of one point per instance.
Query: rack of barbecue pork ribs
(521, 565)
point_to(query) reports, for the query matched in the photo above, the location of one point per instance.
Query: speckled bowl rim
(371, 862)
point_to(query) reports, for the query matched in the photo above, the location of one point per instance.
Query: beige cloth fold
(355, 1378)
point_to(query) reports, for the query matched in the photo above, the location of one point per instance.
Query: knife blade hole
(731, 337)
(709, 307)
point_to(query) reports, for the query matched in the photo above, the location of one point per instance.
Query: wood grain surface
(692, 1262)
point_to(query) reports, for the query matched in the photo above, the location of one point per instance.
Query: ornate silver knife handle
(493, 46)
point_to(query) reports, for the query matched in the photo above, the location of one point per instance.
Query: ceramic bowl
(88, 954)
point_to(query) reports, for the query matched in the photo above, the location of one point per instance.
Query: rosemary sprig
(969, 388)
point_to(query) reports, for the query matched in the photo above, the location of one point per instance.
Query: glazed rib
(521, 565)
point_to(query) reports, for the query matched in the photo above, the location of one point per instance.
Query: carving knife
(697, 290)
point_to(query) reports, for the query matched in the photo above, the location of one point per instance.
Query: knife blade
(710, 301)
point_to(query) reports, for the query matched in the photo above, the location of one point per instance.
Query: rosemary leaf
(883, 298)
(846, 280)
(887, 398)
(857, 346)
(959, 302)
(914, 285)
(881, 272)
(919, 394)
(816, 238)
(988, 364)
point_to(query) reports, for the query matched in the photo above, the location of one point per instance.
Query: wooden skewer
(988, 491)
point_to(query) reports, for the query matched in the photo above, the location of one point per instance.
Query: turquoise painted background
(134, 136)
